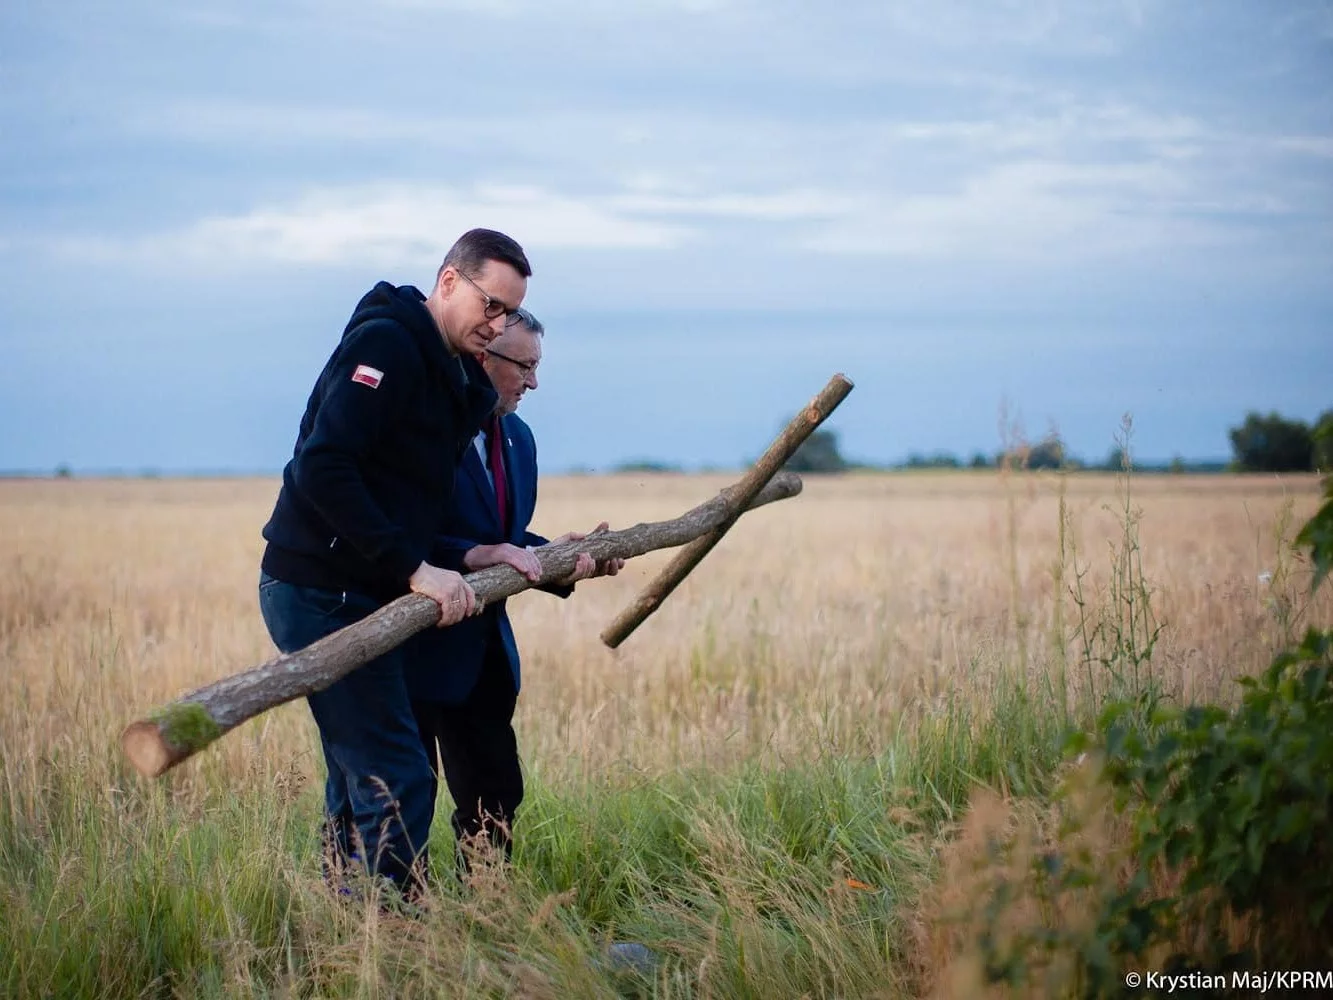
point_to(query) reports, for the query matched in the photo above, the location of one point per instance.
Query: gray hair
(530, 321)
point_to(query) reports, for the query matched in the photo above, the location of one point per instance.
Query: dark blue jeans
(380, 794)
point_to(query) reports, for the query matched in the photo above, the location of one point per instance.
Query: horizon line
(633, 465)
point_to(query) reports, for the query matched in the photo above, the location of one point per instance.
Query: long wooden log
(175, 732)
(782, 449)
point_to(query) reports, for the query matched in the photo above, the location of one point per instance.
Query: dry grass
(824, 627)
(823, 617)
(817, 620)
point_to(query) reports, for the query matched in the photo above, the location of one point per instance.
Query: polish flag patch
(367, 376)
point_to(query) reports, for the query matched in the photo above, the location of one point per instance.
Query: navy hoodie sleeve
(352, 422)
(448, 552)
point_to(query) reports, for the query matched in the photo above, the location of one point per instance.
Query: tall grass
(756, 786)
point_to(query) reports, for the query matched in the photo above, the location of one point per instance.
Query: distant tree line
(1273, 443)
(1261, 443)
(819, 453)
(1270, 443)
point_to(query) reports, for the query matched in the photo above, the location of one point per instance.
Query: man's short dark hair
(474, 248)
(530, 321)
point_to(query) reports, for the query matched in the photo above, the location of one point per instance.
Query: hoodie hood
(407, 306)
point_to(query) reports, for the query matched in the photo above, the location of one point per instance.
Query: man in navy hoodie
(358, 523)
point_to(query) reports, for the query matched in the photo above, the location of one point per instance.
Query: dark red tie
(498, 473)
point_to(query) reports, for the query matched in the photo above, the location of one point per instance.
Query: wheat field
(834, 629)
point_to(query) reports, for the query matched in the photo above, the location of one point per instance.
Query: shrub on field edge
(1194, 838)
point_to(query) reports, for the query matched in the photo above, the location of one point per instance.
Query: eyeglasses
(493, 307)
(523, 367)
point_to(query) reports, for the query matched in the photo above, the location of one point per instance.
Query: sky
(996, 218)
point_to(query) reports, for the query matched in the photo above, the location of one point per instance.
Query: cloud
(1308, 19)
(781, 206)
(945, 157)
(1036, 211)
(1310, 145)
(278, 123)
(698, 153)
(384, 224)
(1088, 27)
(1040, 184)
(1029, 211)
(554, 8)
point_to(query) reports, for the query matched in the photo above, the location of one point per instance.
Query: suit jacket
(443, 664)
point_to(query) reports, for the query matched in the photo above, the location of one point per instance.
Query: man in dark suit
(464, 681)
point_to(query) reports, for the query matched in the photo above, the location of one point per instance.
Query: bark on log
(181, 729)
(659, 589)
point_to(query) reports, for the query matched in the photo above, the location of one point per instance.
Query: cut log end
(168, 736)
(147, 750)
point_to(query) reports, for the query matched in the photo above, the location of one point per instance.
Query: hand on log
(184, 727)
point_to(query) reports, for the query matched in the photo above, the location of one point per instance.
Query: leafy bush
(1193, 838)
(1239, 804)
